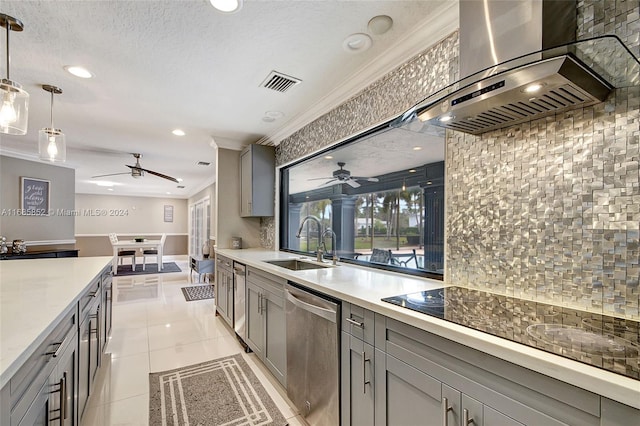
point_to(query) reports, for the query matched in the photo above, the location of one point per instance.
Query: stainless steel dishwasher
(313, 348)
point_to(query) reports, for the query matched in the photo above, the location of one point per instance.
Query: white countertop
(34, 295)
(366, 286)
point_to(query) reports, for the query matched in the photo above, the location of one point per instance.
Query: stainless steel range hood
(516, 86)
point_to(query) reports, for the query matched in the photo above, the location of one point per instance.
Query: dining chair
(123, 253)
(380, 256)
(153, 252)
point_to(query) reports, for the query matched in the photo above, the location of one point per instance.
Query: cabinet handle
(260, 303)
(63, 392)
(356, 323)
(445, 410)
(63, 397)
(57, 351)
(365, 382)
(465, 418)
(94, 294)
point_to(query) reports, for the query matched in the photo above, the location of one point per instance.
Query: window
(382, 195)
(199, 226)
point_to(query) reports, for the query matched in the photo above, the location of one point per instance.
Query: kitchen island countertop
(34, 295)
(366, 287)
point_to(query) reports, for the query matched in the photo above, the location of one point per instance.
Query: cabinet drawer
(358, 322)
(43, 360)
(267, 281)
(89, 295)
(224, 263)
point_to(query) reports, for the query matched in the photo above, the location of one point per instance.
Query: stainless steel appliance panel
(313, 356)
(239, 300)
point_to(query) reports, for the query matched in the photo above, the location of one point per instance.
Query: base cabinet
(224, 289)
(265, 316)
(357, 382)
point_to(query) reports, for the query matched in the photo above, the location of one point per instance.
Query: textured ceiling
(180, 64)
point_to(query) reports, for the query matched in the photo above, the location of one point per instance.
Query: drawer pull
(445, 411)
(58, 346)
(465, 418)
(356, 323)
(365, 382)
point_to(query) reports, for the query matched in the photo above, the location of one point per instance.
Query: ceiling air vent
(279, 82)
(203, 163)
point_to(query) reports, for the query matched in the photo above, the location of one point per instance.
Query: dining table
(133, 244)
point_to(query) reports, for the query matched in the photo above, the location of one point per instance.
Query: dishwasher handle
(328, 314)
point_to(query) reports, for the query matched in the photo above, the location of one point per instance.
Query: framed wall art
(34, 196)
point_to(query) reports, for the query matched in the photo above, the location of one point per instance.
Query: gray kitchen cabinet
(107, 307)
(90, 348)
(35, 392)
(357, 381)
(224, 288)
(417, 369)
(265, 316)
(257, 181)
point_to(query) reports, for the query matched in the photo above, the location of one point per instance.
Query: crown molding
(439, 26)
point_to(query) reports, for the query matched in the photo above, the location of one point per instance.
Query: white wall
(128, 215)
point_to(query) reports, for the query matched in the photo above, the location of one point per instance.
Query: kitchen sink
(296, 264)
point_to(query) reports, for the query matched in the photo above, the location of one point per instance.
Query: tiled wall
(393, 94)
(550, 210)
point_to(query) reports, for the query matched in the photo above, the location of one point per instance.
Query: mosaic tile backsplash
(550, 210)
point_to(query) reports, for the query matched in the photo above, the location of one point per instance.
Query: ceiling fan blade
(111, 174)
(172, 179)
(322, 178)
(368, 179)
(329, 182)
(352, 183)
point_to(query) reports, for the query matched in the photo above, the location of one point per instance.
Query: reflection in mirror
(382, 193)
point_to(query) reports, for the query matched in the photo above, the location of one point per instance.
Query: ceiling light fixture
(15, 101)
(178, 132)
(78, 71)
(404, 186)
(412, 170)
(227, 6)
(380, 24)
(356, 43)
(446, 118)
(417, 148)
(51, 141)
(328, 157)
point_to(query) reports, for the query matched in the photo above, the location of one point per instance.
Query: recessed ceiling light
(446, 118)
(168, 193)
(180, 179)
(532, 88)
(178, 132)
(109, 189)
(380, 24)
(417, 148)
(412, 170)
(268, 119)
(356, 43)
(227, 6)
(78, 71)
(328, 157)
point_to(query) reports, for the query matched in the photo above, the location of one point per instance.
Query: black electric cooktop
(599, 340)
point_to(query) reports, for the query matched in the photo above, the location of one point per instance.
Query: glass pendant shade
(52, 145)
(14, 101)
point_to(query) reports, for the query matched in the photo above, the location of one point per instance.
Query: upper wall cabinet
(257, 186)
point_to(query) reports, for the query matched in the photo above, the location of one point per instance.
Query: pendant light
(51, 141)
(14, 101)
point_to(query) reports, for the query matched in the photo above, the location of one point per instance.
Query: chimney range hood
(515, 86)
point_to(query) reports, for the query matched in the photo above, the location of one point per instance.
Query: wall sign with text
(34, 196)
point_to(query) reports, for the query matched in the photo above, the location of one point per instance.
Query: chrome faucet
(333, 243)
(320, 234)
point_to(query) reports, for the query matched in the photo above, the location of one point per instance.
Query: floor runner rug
(220, 392)
(197, 292)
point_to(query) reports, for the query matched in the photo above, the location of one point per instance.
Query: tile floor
(155, 329)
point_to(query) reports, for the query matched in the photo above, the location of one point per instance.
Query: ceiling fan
(137, 171)
(344, 176)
